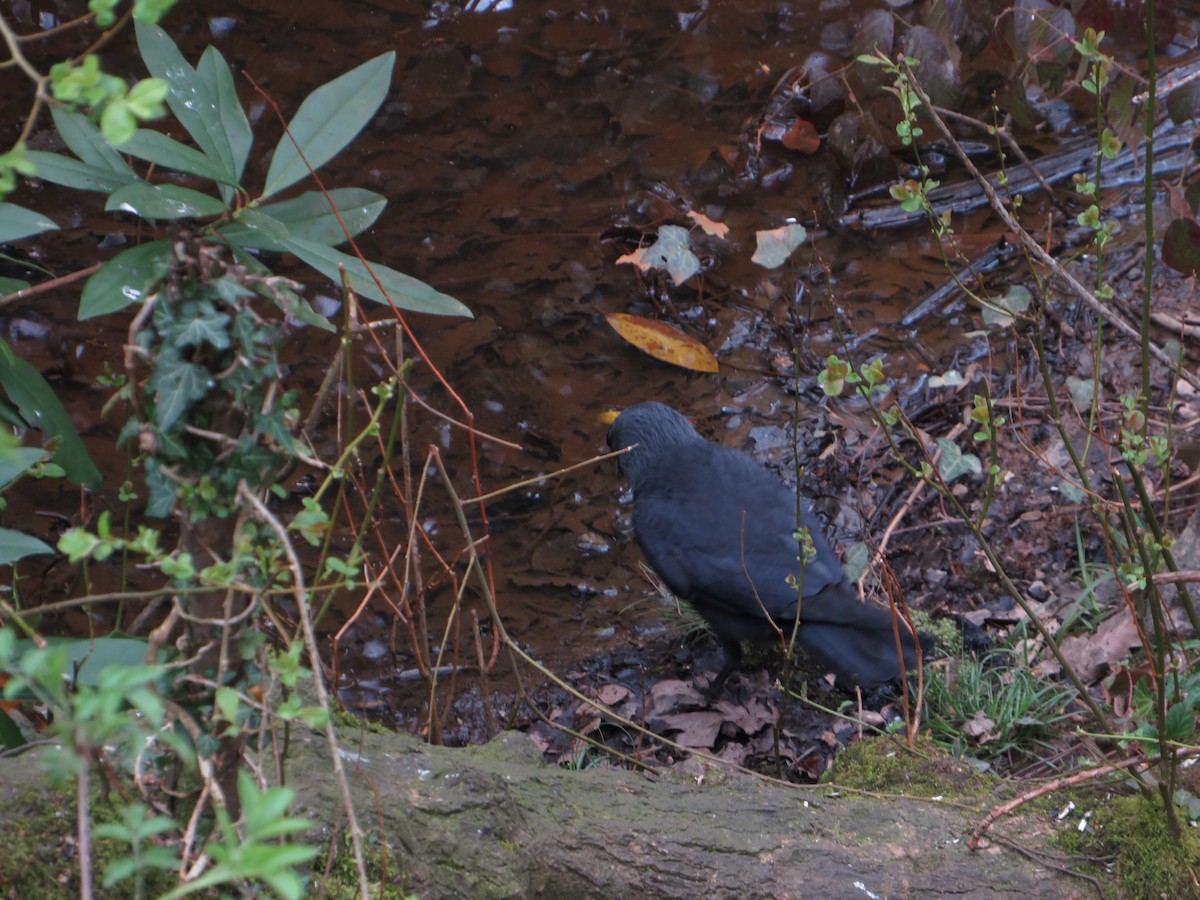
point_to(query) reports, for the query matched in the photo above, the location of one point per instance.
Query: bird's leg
(733, 659)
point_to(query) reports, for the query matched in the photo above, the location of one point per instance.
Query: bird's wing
(714, 524)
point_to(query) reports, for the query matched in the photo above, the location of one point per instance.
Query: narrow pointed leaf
(16, 461)
(17, 222)
(663, 341)
(39, 406)
(126, 278)
(164, 201)
(192, 99)
(328, 119)
(254, 228)
(406, 292)
(236, 128)
(16, 545)
(85, 141)
(59, 169)
(309, 218)
(161, 150)
(286, 299)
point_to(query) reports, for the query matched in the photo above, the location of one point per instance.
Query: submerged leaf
(672, 252)
(663, 341)
(776, 245)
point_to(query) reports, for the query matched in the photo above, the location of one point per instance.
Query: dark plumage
(718, 529)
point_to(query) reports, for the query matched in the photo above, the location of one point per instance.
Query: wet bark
(495, 821)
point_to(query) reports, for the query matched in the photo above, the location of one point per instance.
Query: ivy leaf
(176, 385)
(1007, 308)
(211, 329)
(777, 244)
(673, 252)
(953, 463)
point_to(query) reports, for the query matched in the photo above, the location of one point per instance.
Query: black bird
(719, 530)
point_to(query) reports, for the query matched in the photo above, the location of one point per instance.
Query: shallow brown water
(522, 152)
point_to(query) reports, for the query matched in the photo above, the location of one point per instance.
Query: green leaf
(164, 201)
(673, 252)
(777, 244)
(59, 169)
(1180, 723)
(16, 545)
(176, 385)
(328, 119)
(192, 99)
(117, 122)
(10, 735)
(12, 285)
(281, 295)
(1070, 491)
(16, 461)
(126, 278)
(164, 151)
(406, 292)
(1083, 392)
(85, 141)
(954, 463)
(17, 222)
(252, 227)
(307, 217)
(211, 329)
(1005, 309)
(35, 400)
(235, 128)
(89, 659)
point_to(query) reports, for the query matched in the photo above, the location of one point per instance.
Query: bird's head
(655, 429)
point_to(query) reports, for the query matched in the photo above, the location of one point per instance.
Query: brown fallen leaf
(708, 226)
(802, 136)
(663, 341)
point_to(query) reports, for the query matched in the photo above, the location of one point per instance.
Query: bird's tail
(859, 643)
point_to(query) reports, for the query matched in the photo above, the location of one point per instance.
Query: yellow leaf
(662, 341)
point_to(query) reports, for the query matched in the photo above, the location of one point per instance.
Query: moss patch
(1148, 861)
(887, 766)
